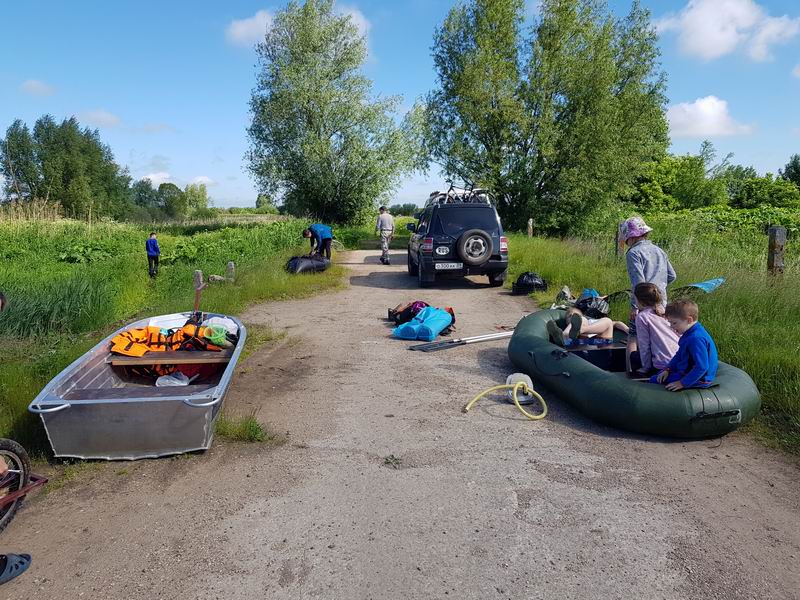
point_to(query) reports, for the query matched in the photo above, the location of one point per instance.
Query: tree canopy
(556, 124)
(63, 164)
(318, 140)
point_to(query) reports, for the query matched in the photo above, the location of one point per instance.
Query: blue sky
(167, 83)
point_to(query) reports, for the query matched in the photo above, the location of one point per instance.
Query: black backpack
(529, 282)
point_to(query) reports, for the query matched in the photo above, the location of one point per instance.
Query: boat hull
(615, 400)
(159, 422)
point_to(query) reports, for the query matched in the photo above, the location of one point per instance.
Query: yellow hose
(516, 387)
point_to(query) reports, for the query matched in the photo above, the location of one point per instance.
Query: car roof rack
(459, 196)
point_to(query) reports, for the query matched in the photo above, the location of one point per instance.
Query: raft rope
(516, 388)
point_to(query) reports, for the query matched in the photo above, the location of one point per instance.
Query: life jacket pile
(140, 341)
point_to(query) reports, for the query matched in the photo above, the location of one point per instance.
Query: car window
(424, 219)
(455, 222)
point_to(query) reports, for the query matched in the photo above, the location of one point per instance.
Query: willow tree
(557, 124)
(318, 139)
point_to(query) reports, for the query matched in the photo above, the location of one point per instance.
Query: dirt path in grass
(484, 505)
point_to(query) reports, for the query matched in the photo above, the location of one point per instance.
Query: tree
(196, 196)
(18, 163)
(62, 163)
(791, 172)
(766, 191)
(317, 139)
(734, 177)
(173, 200)
(404, 210)
(264, 201)
(144, 194)
(562, 134)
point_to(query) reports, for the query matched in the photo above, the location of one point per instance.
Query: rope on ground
(516, 387)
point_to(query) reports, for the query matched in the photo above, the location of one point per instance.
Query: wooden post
(230, 271)
(777, 244)
(199, 286)
(530, 228)
(616, 242)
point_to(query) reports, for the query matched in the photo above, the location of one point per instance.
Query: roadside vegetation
(750, 316)
(68, 284)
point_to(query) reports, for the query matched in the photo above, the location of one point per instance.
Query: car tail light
(504, 245)
(427, 245)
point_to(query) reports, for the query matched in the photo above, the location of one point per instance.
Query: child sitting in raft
(657, 341)
(695, 364)
(579, 326)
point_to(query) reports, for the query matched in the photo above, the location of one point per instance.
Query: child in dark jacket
(695, 363)
(153, 254)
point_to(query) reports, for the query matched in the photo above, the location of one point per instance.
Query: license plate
(448, 266)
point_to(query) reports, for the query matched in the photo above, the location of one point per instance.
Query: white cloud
(246, 32)
(100, 118)
(705, 117)
(36, 87)
(710, 29)
(796, 71)
(356, 16)
(205, 180)
(158, 178)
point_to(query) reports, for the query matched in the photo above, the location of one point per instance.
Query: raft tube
(613, 399)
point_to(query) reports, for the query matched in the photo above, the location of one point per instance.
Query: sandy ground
(480, 505)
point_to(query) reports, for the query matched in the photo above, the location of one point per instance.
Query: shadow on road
(397, 258)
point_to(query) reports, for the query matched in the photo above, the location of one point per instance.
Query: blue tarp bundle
(428, 323)
(708, 286)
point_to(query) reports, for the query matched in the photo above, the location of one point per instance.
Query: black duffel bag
(593, 307)
(528, 283)
(307, 264)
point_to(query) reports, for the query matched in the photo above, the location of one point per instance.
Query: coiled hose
(516, 388)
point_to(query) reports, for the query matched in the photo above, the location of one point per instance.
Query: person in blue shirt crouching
(695, 363)
(321, 237)
(153, 253)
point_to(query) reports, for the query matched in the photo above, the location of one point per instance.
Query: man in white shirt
(385, 228)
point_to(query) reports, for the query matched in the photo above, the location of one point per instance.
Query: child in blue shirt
(695, 363)
(153, 252)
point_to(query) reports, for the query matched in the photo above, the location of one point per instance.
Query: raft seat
(180, 357)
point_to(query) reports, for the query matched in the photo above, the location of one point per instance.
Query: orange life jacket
(137, 342)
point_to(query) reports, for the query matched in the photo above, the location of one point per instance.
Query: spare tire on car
(475, 247)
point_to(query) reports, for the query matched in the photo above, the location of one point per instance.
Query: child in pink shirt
(657, 341)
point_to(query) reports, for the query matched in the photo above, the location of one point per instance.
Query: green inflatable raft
(593, 380)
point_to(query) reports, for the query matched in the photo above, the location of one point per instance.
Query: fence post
(530, 228)
(199, 286)
(616, 241)
(777, 244)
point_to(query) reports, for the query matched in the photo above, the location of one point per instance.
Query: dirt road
(383, 489)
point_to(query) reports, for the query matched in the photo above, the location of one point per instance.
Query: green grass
(242, 429)
(58, 308)
(752, 317)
